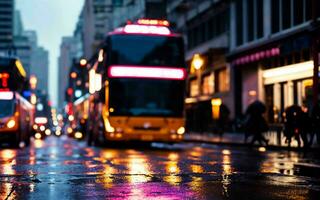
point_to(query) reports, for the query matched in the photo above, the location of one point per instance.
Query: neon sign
(4, 79)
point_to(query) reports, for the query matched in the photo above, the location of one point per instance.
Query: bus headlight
(181, 130)
(11, 123)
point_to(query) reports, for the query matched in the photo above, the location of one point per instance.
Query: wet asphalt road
(62, 168)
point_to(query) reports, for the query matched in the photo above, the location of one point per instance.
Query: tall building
(68, 54)
(270, 49)
(96, 23)
(39, 61)
(40, 68)
(34, 58)
(6, 25)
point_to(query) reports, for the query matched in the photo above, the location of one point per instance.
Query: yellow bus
(16, 116)
(142, 96)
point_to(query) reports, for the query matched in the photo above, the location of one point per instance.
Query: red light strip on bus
(147, 72)
(6, 95)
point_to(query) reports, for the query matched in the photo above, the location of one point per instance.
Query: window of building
(297, 12)
(239, 22)
(259, 18)
(286, 14)
(194, 88)
(208, 84)
(222, 80)
(275, 15)
(209, 29)
(250, 20)
(307, 10)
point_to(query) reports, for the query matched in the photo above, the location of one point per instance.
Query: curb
(270, 147)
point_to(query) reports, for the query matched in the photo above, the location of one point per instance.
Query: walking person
(293, 124)
(306, 127)
(255, 123)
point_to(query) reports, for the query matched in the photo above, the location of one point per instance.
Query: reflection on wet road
(67, 169)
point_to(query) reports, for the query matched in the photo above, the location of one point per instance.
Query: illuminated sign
(257, 56)
(4, 79)
(147, 72)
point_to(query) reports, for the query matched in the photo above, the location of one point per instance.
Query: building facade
(68, 53)
(6, 25)
(205, 25)
(97, 16)
(34, 58)
(270, 51)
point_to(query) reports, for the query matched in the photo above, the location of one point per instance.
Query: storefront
(208, 90)
(279, 74)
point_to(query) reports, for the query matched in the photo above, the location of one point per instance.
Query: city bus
(16, 116)
(144, 80)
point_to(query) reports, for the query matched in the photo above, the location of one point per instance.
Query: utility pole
(315, 51)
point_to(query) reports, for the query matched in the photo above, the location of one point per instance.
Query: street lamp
(33, 82)
(197, 61)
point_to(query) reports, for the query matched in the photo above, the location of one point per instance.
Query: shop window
(194, 88)
(222, 83)
(208, 84)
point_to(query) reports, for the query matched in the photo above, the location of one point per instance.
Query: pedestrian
(293, 124)
(306, 126)
(255, 124)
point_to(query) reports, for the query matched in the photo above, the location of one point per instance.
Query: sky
(51, 19)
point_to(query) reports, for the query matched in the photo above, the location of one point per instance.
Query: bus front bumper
(144, 137)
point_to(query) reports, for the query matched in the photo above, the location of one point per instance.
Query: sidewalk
(276, 139)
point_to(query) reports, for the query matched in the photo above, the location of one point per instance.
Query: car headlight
(11, 123)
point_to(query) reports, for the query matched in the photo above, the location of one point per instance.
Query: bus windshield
(6, 107)
(137, 97)
(146, 50)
